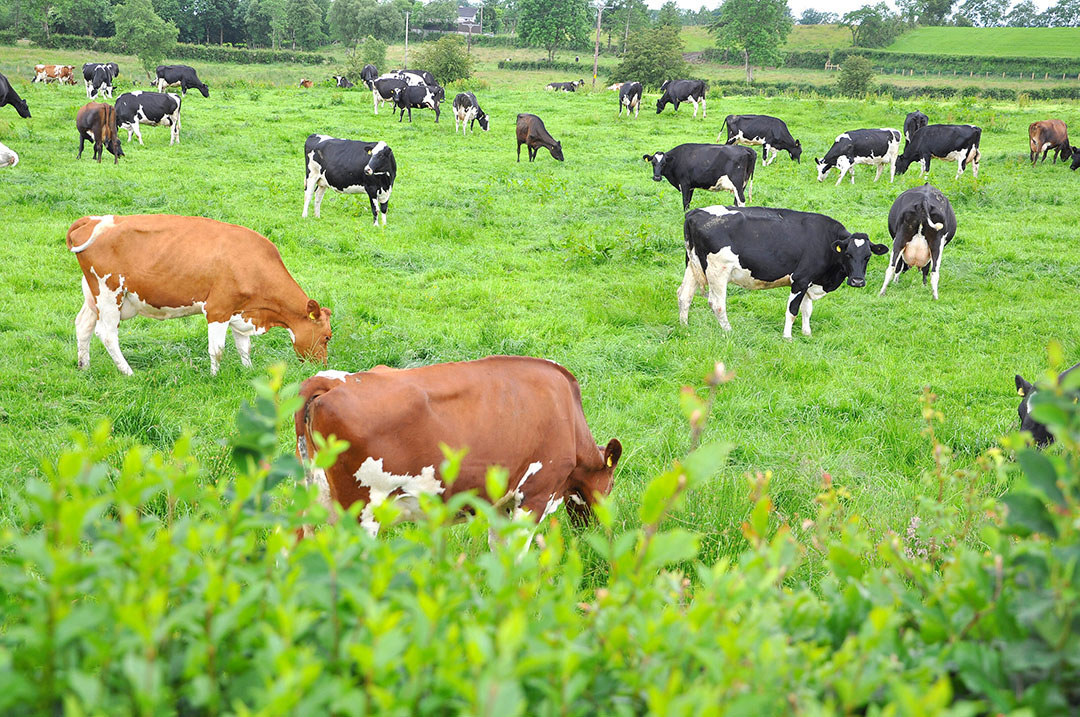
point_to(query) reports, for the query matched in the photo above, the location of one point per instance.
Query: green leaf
(704, 462)
(1029, 514)
(1041, 474)
(657, 494)
(672, 546)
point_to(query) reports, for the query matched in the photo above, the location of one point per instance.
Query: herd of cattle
(525, 414)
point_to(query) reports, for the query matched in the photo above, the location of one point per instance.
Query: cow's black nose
(656, 179)
(857, 282)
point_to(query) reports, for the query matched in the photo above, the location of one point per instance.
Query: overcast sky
(797, 6)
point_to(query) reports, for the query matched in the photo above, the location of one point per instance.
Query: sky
(797, 6)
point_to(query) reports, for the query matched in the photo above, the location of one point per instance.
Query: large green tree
(984, 13)
(351, 20)
(653, 55)
(811, 16)
(755, 28)
(552, 24)
(1024, 14)
(1065, 14)
(669, 15)
(926, 12)
(143, 32)
(872, 25)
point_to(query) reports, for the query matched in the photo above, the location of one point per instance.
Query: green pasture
(1005, 41)
(802, 37)
(577, 262)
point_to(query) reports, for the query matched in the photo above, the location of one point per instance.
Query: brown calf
(62, 74)
(97, 122)
(532, 133)
(1046, 135)
(306, 83)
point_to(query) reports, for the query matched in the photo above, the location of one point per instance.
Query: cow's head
(588, 484)
(482, 118)
(904, 161)
(395, 95)
(556, 151)
(823, 167)
(657, 161)
(661, 103)
(24, 109)
(796, 153)
(1075, 151)
(381, 159)
(1037, 430)
(114, 147)
(855, 251)
(312, 334)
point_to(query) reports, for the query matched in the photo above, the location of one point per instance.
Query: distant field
(1003, 41)
(802, 37)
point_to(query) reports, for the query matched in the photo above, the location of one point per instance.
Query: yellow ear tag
(838, 250)
(311, 316)
(1019, 392)
(609, 461)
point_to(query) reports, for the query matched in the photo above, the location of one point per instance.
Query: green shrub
(653, 55)
(855, 76)
(371, 51)
(445, 58)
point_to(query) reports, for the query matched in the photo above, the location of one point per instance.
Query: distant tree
(371, 51)
(855, 77)
(926, 12)
(257, 23)
(83, 17)
(305, 24)
(445, 58)
(351, 20)
(633, 10)
(984, 13)
(438, 15)
(1065, 14)
(552, 24)
(669, 15)
(143, 33)
(811, 16)
(1024, 14)
(755, 28)
(653, 55)
(872, 25)
(492, 16)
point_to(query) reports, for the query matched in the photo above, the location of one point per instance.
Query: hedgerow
(185, 51)
(133, 582)
(580, 68)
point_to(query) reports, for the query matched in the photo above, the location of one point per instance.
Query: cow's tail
(310, 390)
(87, 222)
(937, 226)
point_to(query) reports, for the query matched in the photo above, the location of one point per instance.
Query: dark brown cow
(532, 133)
(164, 267)
(521, 413)
(97, 122)
(62, 74)
(1047, 135)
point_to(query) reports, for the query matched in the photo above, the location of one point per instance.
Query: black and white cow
(350, 167)
(101, 82)
(8, 96)
(630, 98)
(342, 81)
(368, 75)
(565, 86)
(1038, 431)
(678, 91)
(714, 167)
(418, 97)
(771, 133)
(182, 75)
(412, 77)
(951, 142)
(157, 109)
(877, 147)
(383, 88)
(921, 223)
(467, 111)
(913, 123)
(762, 248)
(88, 73)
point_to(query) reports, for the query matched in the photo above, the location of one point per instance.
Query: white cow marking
(333, 374)
(859, 242)
(381, 485)
(718, 211)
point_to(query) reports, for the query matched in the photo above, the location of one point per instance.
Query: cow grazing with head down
(951, 142)
(350, 167)
(921, 223)
(762, 248)
(8, 96)
(630, 98)
(532, 133)
(342, 82)
(523, 414)
(182, 75)
(8, 158)
(770, 133)
(97, 122)
(714, 167)
(467, 111)
(876, 147)
(678, 91)
(149, 108)
(1038, 431)
(101, 82)
(88, 74)
(163, 267)
(1049, 135)
(60, 74)
(413, 97)
(913, 123)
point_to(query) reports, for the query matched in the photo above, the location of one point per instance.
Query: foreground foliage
(134, 585)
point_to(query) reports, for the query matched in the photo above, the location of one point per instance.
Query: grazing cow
(182, 75)
(630, 98)
(149, 108)
(165, 266)
(467, 110)
(350, 167)
(762, 248)
(679, 91)
(368, 75)
(913, 123)
(523, 414)
(97, 122)
(8, 158)
(1075, 152)
(921, 223)
(383, 89)
(878, 147)
(771, 133)
(101, 82)
(306, 84)
(343, 82)
(1038, 431)
(8, 96)
(532, 133)
(88, 73)
(951, 142)
(419, 97)
(60, 74)
(565, 86)
(1046, 135)
(706, 166)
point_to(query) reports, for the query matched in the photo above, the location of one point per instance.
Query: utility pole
(406, 42)
(596, 49)
(626, 38)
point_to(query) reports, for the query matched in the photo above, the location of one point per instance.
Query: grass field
(577, 262)
(1005, 41)
(802, 37)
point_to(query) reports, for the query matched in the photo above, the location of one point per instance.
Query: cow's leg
(924, 165)
(175, 137)
(798, 292)
(807, 308)
(138, 134)
(216, 331)
(242, 338)
(936, 263)
(960, 167)
(319, 192)
(84, 325)
(766, 150)
(877, 176)
(843, 172)
(687, 196)
(312, 182)
(107, 327)
(82, 143)
(892, 169)
(749, 190)
(975, 163)
(718, 281)
(890, 271)
(374, 209)
(519, 152)
(695, 106)
(375, 100)
(687, 289)
(704, 109)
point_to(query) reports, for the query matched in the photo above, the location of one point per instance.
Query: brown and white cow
(1049, 135)
(62, 74)
(164, 267)
(521, 413)
(306, 83)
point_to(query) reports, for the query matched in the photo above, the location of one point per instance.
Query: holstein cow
(771, 133)
(921, 223)
(1047, 135)
(417, 77)
(762, 248)
(97, 122)
(877, 147)
(532, 133)
(368, 75)
(678, 91)
(418, 97)
(182, 75)
(88, 73)
(149, 108)
(8, 96)
(60, 74)
(1038, 431)
(951, 142)
(467, 111)
(164, 267)
(101, 82)
(306, 83)
(630, 98)
(913, 123)
(714, 167)
(342, 81)
(565, 86)
(383, 89)
(8, 158)
(523, 414)
(349, 166)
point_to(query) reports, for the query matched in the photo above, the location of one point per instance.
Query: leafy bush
(653, 56)
(445, 58)
(144, 33)
(855, 77)
(370, 52)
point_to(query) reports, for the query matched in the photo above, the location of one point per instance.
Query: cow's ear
(612, 453)
(878, 249)
(1023, 388)
(839, 245)
(647, 157)
(313, 309)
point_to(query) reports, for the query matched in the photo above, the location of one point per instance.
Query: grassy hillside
(1003, 41)
(802, 37)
